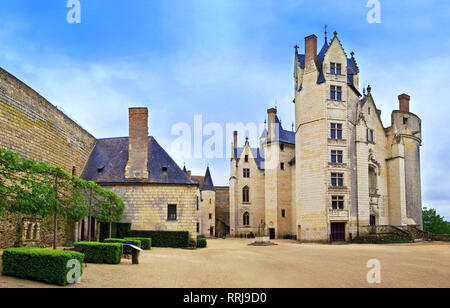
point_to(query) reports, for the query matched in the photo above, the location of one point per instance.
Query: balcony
(337, 215)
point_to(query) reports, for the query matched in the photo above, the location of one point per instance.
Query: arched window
(246, 194)
(246, 219)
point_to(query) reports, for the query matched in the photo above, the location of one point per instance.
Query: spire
(326, 39)
(207, 181)
(184, 168)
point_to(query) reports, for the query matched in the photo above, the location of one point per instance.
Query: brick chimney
(235, 139)
(404, 102)
(272, 128)
(310, 53)
(136, 169)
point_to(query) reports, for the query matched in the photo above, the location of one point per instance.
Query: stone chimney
(272, 127)
(189, 173)
(310, 53)
(404, 102)
(235, 140)
(136, 169)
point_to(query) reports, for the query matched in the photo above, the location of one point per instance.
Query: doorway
(211, 231)
(338, 232)
(272, 233)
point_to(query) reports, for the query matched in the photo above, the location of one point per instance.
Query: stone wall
(36, 129)
(222, 210)
(146, 206)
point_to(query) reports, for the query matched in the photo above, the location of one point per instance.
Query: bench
(128, 249)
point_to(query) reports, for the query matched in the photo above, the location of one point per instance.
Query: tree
(434, 223)
(37, 188)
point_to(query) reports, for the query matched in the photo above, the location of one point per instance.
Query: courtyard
(232, 263)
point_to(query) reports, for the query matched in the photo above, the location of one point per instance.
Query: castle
(340, 172)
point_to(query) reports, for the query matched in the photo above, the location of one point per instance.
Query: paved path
(231, 263)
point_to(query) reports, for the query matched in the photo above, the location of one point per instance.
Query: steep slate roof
(107, 162)
(285, 136)
(352, 68)
(205, 182)
(257, 153)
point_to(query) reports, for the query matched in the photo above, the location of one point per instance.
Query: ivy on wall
(37, 188)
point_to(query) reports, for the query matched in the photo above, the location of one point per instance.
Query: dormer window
(100, 169)
(335, 68)
(164, 169)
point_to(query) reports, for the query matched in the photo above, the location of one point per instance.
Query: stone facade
(147, 206)
(34, 128)
(342, 172)
(222, 211)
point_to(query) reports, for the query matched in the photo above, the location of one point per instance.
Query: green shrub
(442, 237)
(381, 238)
(201, 243)
(39, 264)
(108, 253)
(287, 237)
(146, 243)
(123, 241)
(173, 239)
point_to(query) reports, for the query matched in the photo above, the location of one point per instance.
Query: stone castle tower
(341, 172)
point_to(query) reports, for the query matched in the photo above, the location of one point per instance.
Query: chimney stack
(235, 140)
(404, 102)
(189, 173)
(272, 129)
(136, 169)
(310, 53)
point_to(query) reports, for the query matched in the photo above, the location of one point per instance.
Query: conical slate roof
(207, 181)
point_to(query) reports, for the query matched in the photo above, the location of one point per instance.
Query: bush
(442, 237)
(201, 243)
(381, 238)
(287, 237)
(39, 264)
(123, 241)
(173, 239)
(107, 253)
(146, 243)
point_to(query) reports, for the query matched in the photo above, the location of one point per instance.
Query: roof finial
(292, 126)
(326, 39)
(296, 48)
(352, 54)
(369, 89)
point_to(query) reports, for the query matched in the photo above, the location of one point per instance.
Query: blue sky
(228, 60)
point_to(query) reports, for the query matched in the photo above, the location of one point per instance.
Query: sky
(228, 61)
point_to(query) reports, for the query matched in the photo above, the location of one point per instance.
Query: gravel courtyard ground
(232, 263)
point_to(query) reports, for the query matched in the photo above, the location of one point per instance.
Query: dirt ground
(232, 263)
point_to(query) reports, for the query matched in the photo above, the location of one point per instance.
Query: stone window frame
(31, 229)
(338, 178)
(171, 216)
(246, 219)
(338, 154)
(246, 194)
(335, 68)
(336, 93)
(338, 202)
(336, 131)
(246, 173)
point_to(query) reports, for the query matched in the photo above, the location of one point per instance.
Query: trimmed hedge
(146, 243)
(172, 239)
(39, 264)
(101, 253)
(381, 238)
(137, 243)
(201, 243)
(441, 237)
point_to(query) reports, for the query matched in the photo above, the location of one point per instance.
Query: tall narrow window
(370, 135)
(282, 166)
(333, 92)
(171, 212)
(246, 158)
(337, 179)
(338, 68)
(198, 227)
(336, 157)
(332, 68)
(246, 219)
(337, 202)
(197, 203)
(373, 220)
(245, 194)
(339, 93)
(283, 213)
(336, 131)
